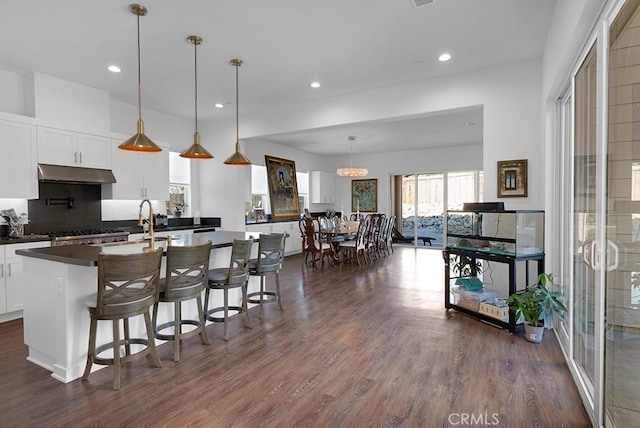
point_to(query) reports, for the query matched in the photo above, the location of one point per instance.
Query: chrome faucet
(141, 221)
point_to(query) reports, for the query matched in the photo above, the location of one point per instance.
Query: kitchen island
(59, 281)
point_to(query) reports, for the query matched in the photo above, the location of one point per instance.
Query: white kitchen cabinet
(11, 278)
(62, 147)
(322, 187)
(292, 244)
(139, 175)
(18, 151)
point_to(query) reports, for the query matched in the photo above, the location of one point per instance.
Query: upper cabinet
(18, 151)
(322, 187)
(61, 147)
(139, 175)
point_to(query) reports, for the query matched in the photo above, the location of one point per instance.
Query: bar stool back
(185, 278)
(236, 275)
(269, 261)
(127, 287)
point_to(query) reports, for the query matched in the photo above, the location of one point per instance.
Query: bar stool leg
(226, 314)
(203, 325)
(116, 354)
(261, 313)
(127, 345)
(177, 330)
(245, 306)
(277, 275)
(92, 348)
(152, 343)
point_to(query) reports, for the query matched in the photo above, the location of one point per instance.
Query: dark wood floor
(368, 346)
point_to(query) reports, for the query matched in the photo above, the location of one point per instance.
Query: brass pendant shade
(196, 151)
(139, 142)
(352, 171)
(237, 158)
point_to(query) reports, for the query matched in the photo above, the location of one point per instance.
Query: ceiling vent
(419, 3)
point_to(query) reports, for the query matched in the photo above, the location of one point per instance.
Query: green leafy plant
(465, 266)
(537, 303)
(180, 206)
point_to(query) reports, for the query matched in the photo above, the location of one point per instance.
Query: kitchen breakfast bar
(60, 280)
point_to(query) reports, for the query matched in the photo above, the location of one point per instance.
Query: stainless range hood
(72, 174)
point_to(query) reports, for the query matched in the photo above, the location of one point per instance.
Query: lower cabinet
(292, 243)
(11, 277)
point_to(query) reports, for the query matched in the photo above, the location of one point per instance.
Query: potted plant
(179, 208)
(536, 304)
(465, 265)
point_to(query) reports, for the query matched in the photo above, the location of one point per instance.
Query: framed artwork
(512, 178)
(364, 195)
(283, 188)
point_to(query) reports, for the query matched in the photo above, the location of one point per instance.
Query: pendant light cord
(195, 67)
(237, 110)
(351, 155)
(139, 74)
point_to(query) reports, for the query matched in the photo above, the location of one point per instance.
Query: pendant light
(352, 171)
(196, 151)
(139, 142)
(237, 158)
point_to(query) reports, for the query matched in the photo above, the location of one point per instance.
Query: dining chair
(386, 240)
(269, 261)
(234, 276)
(357, 247)
(302, 225)
(315, 244)
(186, 276)
(127, 288)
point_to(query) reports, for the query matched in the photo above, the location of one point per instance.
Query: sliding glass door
(584, 220)
(423, 207)
(424, 198)
(622, 328)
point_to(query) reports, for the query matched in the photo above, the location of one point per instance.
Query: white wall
(160, 127)
(67, 105)
(12, 93)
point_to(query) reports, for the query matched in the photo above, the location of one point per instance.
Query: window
(179, 184)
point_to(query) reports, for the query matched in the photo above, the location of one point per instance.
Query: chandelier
(352, 171)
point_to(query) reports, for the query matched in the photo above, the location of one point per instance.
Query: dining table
(334, 236)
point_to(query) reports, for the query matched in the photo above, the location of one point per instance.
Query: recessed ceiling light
(314, 85)
(218, 105)
(114, 69)
(444, 57)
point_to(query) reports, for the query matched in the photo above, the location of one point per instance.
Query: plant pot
(533, 333)
(177, 213)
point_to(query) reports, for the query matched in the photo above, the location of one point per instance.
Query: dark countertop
(87, 255)
(137, 229)
(24, 238)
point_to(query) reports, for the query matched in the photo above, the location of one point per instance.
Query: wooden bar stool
(236, 275)
(269, 261)
(185, 278)
(127, 287)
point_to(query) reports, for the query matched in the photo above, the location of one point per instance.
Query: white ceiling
(346, 45)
